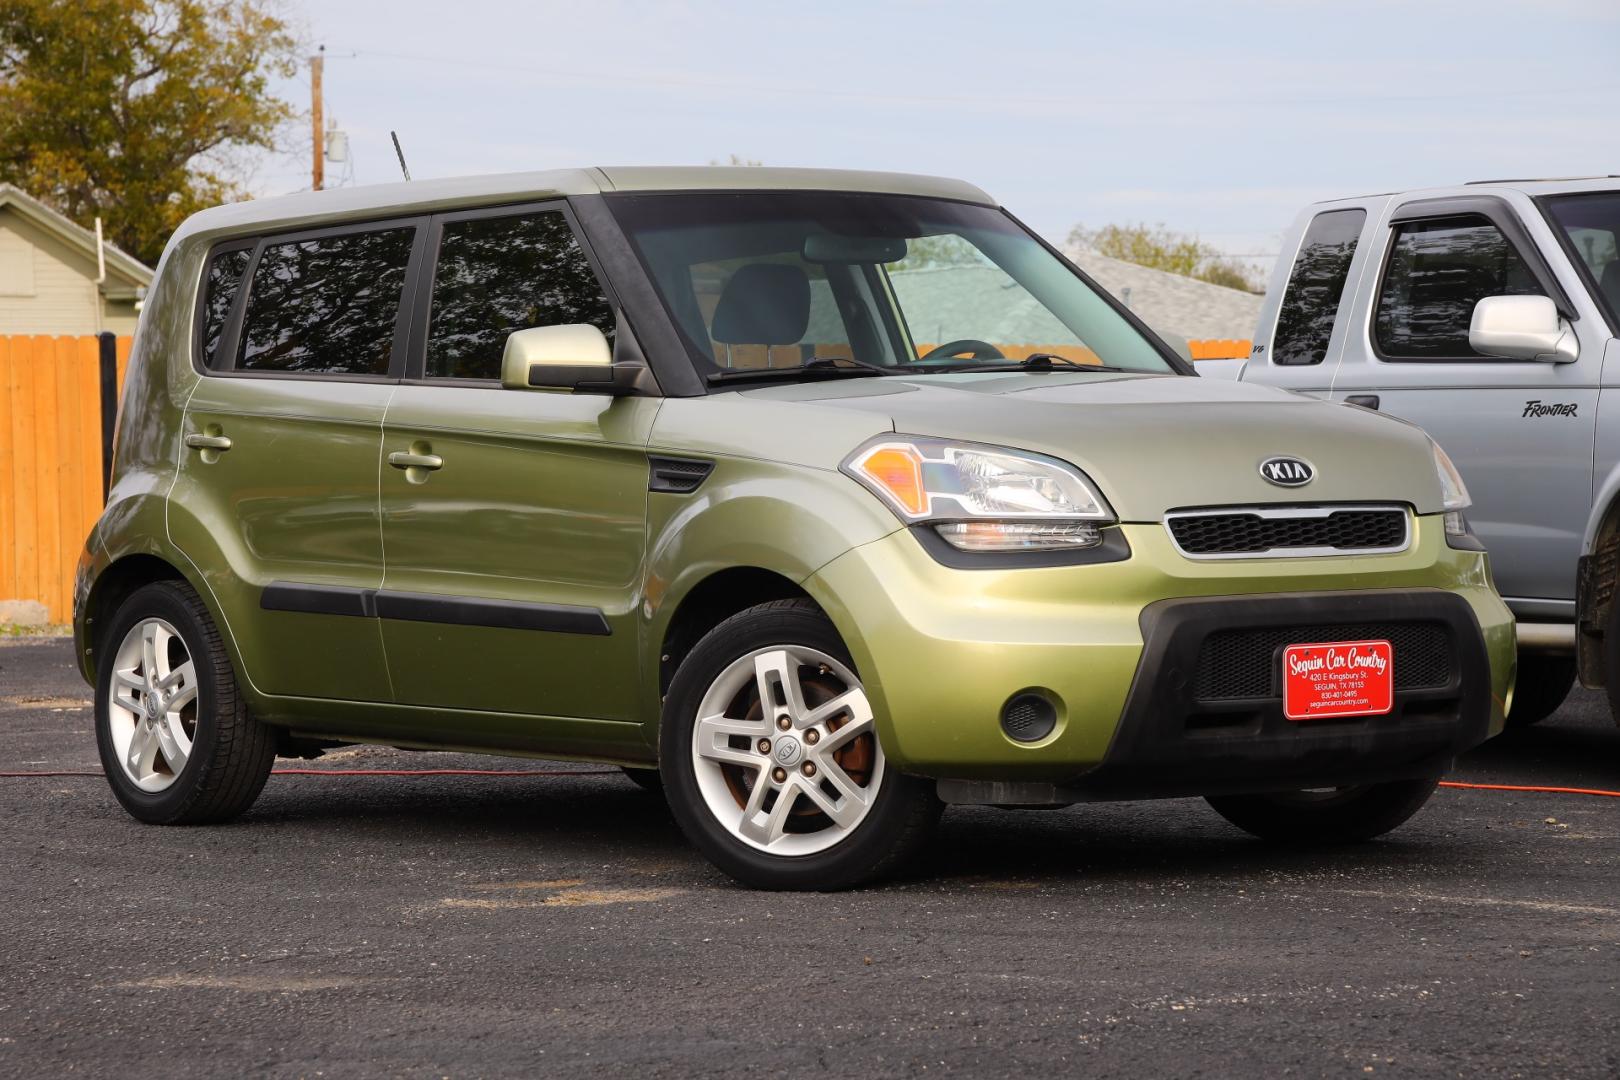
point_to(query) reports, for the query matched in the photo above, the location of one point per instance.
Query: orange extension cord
(610, 772)
(1531, 787)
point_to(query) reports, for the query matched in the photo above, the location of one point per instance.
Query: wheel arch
(1597, 577)
(711, 601)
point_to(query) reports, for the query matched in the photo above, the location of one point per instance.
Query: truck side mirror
(571, 358)
(1522, 328)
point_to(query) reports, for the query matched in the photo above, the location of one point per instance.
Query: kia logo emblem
(1287, 471)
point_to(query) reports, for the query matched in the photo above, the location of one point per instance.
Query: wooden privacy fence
(51, 461)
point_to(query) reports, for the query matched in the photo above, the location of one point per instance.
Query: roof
(1549, 186)
(135, 274)
(314, 208)
(1185, 306)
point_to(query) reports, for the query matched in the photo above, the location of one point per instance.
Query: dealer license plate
(1340, 678)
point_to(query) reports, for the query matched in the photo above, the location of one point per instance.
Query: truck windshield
(1591, 221)
(814, 280)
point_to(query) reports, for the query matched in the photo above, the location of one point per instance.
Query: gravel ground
(560, 926)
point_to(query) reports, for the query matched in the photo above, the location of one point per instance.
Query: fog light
(1028, 717)
(1456, 524)
(1020, 535)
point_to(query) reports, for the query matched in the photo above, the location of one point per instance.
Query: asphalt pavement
(560, 926)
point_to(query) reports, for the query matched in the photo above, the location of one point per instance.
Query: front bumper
(1115, 646)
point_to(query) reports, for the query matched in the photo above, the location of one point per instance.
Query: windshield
(1592, 222)
(783, 280)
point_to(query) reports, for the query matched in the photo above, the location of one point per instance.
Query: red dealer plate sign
(1341, 678)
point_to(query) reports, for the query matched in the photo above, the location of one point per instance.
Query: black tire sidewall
(163, 601)
(1544, 680)
(1361, 815)
(878, 843)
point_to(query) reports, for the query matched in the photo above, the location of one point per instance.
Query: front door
(1520, 432)
(276, 500)
(514, 563)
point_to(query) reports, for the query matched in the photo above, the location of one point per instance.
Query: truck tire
(770, 758)
(176, 741)
(1544, 682)
(1334, 816)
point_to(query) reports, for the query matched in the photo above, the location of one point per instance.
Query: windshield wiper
(1033, 362)
(818, 368)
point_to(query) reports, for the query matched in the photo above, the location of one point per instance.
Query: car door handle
(405, 459)
(1366, 401)
(208, 442)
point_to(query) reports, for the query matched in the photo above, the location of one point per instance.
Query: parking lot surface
(559, 925)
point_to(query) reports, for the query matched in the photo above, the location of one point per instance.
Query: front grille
(1243, 663)
(1293, 531)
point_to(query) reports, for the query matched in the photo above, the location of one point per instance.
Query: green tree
(1160, 248)
(138, 111)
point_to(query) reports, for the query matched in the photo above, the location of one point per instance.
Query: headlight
(983, 498)
(1453, 492)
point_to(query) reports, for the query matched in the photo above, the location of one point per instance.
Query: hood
(1154, 443)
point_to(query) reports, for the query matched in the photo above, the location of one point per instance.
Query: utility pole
(316, 64)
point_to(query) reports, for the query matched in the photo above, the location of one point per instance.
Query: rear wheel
(1328, 816)
(176, 742)
(1544, 682)
(771, 761)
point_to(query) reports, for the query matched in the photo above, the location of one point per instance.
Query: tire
(1340, 816)
(190, 758)
(1544, 682)
(727, 794)
(645, 779)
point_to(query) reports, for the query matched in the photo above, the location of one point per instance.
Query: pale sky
(1221, 119)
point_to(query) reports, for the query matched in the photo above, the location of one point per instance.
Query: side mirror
(572, 358)
(1522, 328)
(1178, 343)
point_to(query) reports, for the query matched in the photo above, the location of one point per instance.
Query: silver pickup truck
(1487, 314)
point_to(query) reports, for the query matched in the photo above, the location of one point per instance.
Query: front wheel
(771, 760)
(1545, 680)
(1329, 816)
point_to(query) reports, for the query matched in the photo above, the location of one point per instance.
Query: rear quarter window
(1310, 304)
(221, 283)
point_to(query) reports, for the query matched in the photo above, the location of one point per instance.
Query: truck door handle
(405, 459)
(1366, 401)
(208, 442)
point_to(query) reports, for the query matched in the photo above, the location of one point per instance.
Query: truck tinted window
(497, 275)
(224, 276)
(1591, 222)
(1437, 271)
(1311, 302)
(326, 305)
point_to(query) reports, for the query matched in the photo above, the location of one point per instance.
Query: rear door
(276, 500)
(1520, 432)
(514, 568)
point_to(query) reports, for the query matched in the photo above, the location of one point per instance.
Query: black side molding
(433, 608)
(505, 614)
(677, 476)
(318, 599)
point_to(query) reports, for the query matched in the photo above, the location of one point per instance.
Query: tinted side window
(326, 305)
(1437, 272)
(497, 275)
(1311, 301)
(220, 284)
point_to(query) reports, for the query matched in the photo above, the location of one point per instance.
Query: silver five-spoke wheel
(784, 750)
(152, 704)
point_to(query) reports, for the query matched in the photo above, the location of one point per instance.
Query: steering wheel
(976, 350)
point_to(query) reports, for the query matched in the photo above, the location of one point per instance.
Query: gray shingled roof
(1194, 309)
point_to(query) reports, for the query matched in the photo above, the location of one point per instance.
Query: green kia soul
(817, 499)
